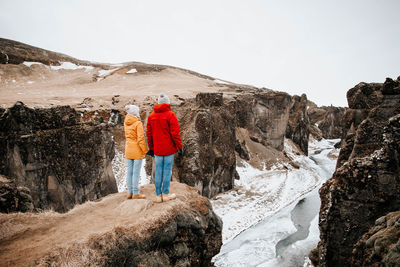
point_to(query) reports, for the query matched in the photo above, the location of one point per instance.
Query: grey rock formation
(62, 161)
(380, 246)
(328, 119)
(265, 115)
(208, 134)
(298, 128)
(366, 184)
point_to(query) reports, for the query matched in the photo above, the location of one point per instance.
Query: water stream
(286, 237)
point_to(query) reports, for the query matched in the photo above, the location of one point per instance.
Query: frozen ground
(260, 207)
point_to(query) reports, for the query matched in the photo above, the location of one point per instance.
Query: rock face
(14, 198)
(329, 120)
(208, 129)
(117, 232)
(366, 183)
(298, 128)
(62, 161)
(264, 115)
(208, 134)
(381, 245)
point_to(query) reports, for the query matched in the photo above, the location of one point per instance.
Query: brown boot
(139, 196)
(159, 199)
(169, 197)
(129, 196)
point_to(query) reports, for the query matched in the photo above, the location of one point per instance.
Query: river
(285, 237)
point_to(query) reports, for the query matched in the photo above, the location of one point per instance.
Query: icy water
(285, 237)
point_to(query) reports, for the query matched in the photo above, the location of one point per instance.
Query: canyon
(61, 126)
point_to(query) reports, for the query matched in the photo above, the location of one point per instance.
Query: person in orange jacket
(135, 150)
(164, 141)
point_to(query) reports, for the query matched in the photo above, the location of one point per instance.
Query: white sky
(321, 48)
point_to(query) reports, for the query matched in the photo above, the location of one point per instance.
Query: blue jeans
(163, 173)
(134, 166)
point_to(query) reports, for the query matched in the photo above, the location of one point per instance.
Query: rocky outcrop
(14, 198)
(12, 52)
(208, 134)
(117, 232)
(62, 161)
(298, 127)
(380, 246)
(328, 119)
(366, 183)
(264, 114)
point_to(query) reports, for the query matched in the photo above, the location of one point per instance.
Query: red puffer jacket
(163, 131)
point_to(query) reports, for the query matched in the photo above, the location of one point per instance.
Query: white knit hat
(133, 110)
(163, 99)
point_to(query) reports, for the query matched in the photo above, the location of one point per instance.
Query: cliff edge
(115, 231)
(366, 183)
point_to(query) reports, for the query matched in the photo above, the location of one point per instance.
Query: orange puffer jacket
(135, 146)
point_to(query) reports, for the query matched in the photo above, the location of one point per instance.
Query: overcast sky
(321, 48)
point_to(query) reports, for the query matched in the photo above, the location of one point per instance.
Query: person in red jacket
(164, 141)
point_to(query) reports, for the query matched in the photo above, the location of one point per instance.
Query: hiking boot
(139, 196)
(159, 199)
(169, 197)
(129, 196)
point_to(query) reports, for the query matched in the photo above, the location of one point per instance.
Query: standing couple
(164, 141)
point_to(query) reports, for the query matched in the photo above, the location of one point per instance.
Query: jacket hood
(159, 108)
(130, 119)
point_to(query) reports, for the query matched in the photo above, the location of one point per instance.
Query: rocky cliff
(298, 128)
(220, 121)
(61, 160)
(366, 183)
(214, 126)
(329, 121)
(116, 232)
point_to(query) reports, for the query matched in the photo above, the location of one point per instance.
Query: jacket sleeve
(140, 137)
(174, 128)
(149, 134)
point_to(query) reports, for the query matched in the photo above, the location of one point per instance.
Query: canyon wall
(209, 125)
(328, 120)
(298, 127)
(61, 160)
(366, 183)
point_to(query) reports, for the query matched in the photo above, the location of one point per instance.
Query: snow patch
(220, 81)
(119, 170)
(30, 63)
(30, 82)
(70, 66)
(131, 71)
(260, 205)
(103, 73)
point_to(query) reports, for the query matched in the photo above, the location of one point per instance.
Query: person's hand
(150, 153)
(180, 152)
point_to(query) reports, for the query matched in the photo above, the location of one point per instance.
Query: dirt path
(28, 237)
